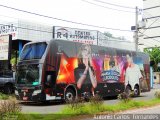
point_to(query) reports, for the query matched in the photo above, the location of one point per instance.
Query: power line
(8, 16)
(145, 45)
(62, 19)
(151, 38)
(28, 28)
(107, 7)
(55, 33)
(151, 7)
(118, 40)
(114, 4)
(147, 42)
(151, 25)
(149, 19)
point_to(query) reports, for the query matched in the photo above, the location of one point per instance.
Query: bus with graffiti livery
(65, 70)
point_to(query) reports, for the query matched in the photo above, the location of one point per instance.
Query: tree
(14, 60)
(108, 34)
(154, 54)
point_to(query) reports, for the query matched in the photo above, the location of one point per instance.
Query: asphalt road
(57, 106)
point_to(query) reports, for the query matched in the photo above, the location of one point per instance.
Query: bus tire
(136, 91)
(70, 95)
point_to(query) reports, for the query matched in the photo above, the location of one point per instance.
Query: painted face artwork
(86, 52)
(129, 60)
(90, 67)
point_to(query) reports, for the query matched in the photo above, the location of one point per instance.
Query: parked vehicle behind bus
(7, 81)
(63, 70)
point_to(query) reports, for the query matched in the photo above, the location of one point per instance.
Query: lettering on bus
(110, 75)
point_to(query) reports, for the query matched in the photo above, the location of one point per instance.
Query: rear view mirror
(49, 79)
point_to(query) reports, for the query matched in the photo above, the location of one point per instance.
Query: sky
(89, 12)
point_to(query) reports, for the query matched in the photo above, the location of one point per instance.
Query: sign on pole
(76, 35)
(5, 45)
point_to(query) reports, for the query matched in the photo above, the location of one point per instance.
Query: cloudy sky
(93, 12)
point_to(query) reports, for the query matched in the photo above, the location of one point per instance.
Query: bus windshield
(28, 74)
(33, 51)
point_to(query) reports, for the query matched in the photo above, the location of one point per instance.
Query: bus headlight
(16, 92)
(36, 92)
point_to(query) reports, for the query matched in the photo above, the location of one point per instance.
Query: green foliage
(78, 107)
(3, 96)
(96, 100)
(108, 34)
(9, 108)
(154, 54)
(14, 60)
(124, 97)
(76, 104)
(89, 109)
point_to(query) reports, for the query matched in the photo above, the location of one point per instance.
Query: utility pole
(136, 29)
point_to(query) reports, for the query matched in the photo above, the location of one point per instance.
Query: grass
(79, 108)
(90, 109)
(3, 96)
(121, 106)
(9, 109)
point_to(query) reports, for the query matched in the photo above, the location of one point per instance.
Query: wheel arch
(73, 87)
(9, 84)
(136, 85)
(128, 85)
(137, 90)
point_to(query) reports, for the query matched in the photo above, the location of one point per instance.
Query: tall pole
(136, 32)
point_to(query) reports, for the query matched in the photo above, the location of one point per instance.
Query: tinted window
(33, 51)
(6, 74)
(28, 74)
(68, 48)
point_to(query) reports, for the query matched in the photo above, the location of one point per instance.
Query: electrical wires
(51, 32)
(69, 21)
(107, 7)
(114, 4)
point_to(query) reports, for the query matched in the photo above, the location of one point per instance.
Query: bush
(9, 107)
(96, 100)
(124, 97)
(157, 94)
(96, 104)
(3, 96)
(80, 106)
(76, 104)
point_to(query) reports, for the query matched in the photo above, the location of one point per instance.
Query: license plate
(25, 98)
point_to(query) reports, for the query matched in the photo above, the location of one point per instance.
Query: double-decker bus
(64, 70)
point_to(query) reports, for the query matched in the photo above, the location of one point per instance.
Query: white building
(22, 32)
(115, 43)
(150, 35)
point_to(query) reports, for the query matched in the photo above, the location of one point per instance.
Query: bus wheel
(136, 91)
(128, 90)
(70, 95)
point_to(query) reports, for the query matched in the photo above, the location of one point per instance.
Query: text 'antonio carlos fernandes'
(127, 117)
